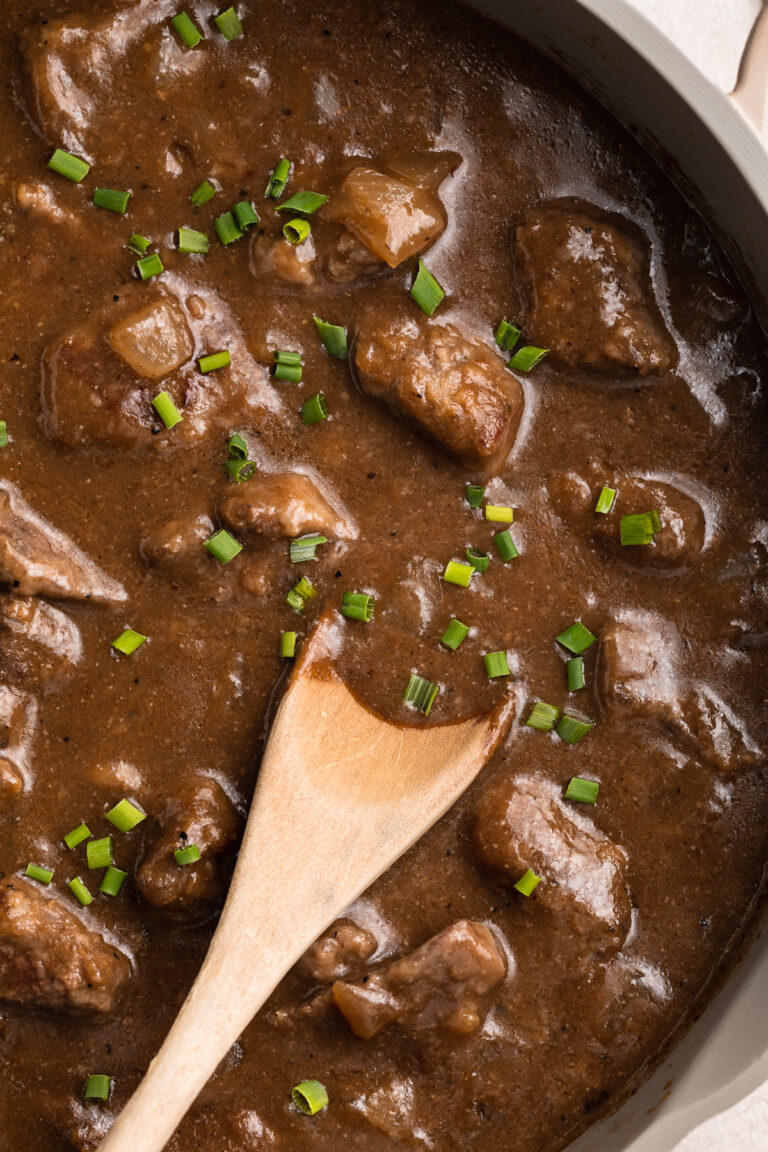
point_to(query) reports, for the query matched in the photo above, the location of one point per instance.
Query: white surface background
(713, 34)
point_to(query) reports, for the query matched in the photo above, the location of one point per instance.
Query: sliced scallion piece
(575, 671)
(167, 410)
(310, 1097)
(426, 291)
(246, 215)
(187, 855)
(543, 717)
(79, 891)
(193, 242)
(149, 266)
(605, 500)
(528, 883)
(458, 573)
(202, 194)
(358, 606)
(506, 546)
(98, 1087)
(454, 635)
(112, 200)
(68, 165)
(474, 495)
(300, 595)
(229, 24)
(237, 446)
(4, 438)
(186, 30)
(213, 361)
(278, 180)
(125, 816)
(39, 873)
(333, 336)
(77, 836)
(112, 881)
(655, 520)
(314, 409)
(241, 470)
(496, 664)
(636, 529)
(128, 641)
(499, 513)
(527, 358)
(138, 243)
(507, 335)
(304, 203)
(582, 791)
(571, 728)
(223, 546)
(98, 853)
(227, 228)
(420, 693)
(478, 560)
(288, 645)
(305, 547)
(577, 638)
(287, 365)
(297, 230)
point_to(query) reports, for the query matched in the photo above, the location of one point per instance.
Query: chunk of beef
(18, 714)
(39, 200)
(342, 949)
(37, 558)
(640, 667)
(281, 505)
(330, 256)
(199, 813)
(587, 290)
(442, 984)
(177, 546)
(524, 822)
(39, 644)
(50, 960)
(154, 341)
(452, 386)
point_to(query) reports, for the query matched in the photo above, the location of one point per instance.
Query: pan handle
(751, 92)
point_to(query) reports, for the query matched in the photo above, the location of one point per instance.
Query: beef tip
(39, 644)
(39, 200)
(177, 545)
(199, 813)
(442, 984)
(639, 667)
(524, 822)
(154, 341)
(330, 256)
(37, 558)
(281, 505)
(50, 960)
(587, 292)
(276, 261)
(18, 715)
(453, 387)
(343, 948)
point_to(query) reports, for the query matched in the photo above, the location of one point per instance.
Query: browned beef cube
(177, 546)
(639, 667)
(155, 340)
(18, 715)
(281, 505)
(344, 947)
(39, 644)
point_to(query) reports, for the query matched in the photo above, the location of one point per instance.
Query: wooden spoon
(341, 794)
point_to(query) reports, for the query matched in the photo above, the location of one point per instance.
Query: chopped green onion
(112, 881)
(68, 165)
(125, 816)
(527, 358)
(186, 30)
(77, 835)
(583, 791)
(238, 446)
(150, 266)
(299, 596)
(575, 670)
(167, 410)
(193, 242)
(454, 635)
(305, 547)
(297, 230)
(543, 717)
(314, 409)
(528, 883)
(573, 728)
(605, 500)
(303, 202)
(507, 335)
(98, 1088)
(457, 573)
(475, 494)
(229, 24)
(506, 546)
(288, 645)
(98, 853)
(246, 215)
(241, 470)
(79, 891)
(333, 336)
(214, 361)
(223, 546)
(309, 1097)
(278, 180)
(287, 365)
(420, 693)
(128, 641)
(202, 194)
(636, 528)
(189, 855)
(138, 243)
(655, 520)
(227, 228)
(4, 438)
(426, 291)
(37, 872)
(478, 560)
(577, 638)
(499, 513)
(496, 664)
(358, 606)
(111, 199)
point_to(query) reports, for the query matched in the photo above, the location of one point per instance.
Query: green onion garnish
(4, 438)
(167, 410)
(499, 513)
(299, 596)
(98, 853)
(214, 361)
(241, 470)
(303, 202)
(77, 835)
(457, 573)
(496, 664)
(314, 409)
(605, 500)
(79, 891)
(527, 883)
(138, 243)
(333, 336)
(68, 165)
(573, 728)
(125, 816)
(278, 180)
(305, 547)
(223, 546)
(288, 645)
(246, 215)
(639, 528)
(506, 546)
(543, 717)
(577, 638)
(527, 358)
(575, 670)
(474, 495)
(297, 230)
(37, 872)
(150, 266)
(112, 200)
(583, 791)
(227, 228)
(454, 635)
(194, 242)
(358, 606)
(186, 30)
(237, 446)
(309, 1097)
(112, 881)
(128, 641)
(229, 24)
(202, 194)
(98, 1088)
(507, 335)
(287, 365)
(478, 560)
(655, 519)
(420, 693)
(426, 291)
(189, 855)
